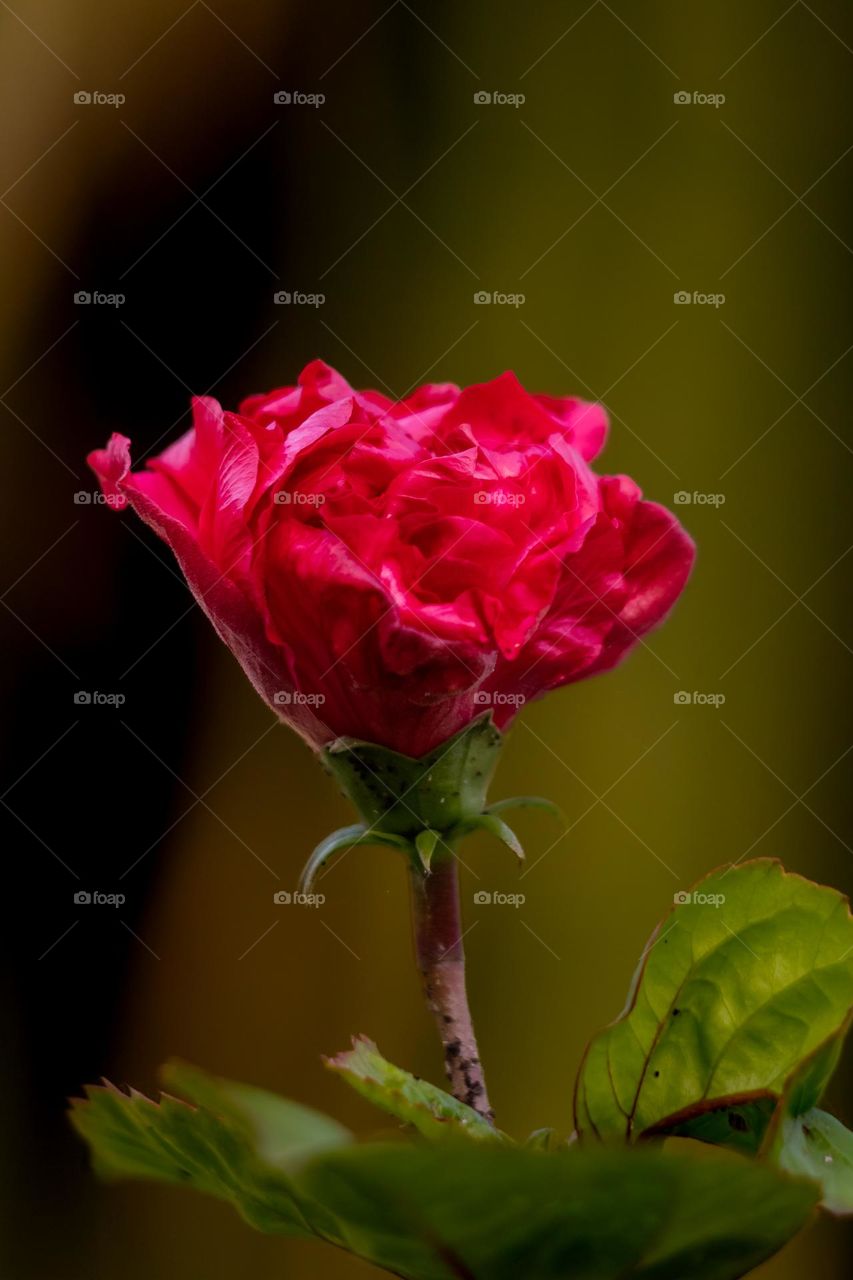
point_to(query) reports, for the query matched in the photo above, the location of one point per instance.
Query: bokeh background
(398, 197)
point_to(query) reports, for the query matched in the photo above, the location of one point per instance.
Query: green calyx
(401, 795)
(419, 806)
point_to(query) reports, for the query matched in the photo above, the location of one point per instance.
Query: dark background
(398, 198)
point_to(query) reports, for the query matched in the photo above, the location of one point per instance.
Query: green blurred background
(399, 197)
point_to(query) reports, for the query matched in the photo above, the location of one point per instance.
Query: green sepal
(426, 802)
(528, 802)
(401, 795)
(495, 826)
(425, 845)
(346, 838)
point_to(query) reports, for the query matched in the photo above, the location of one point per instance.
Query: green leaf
(501, 1213)
(346, 838)
(749, 1123)
(739, 985)
(494, 826)
(434, 1211)
(430, 1110)
(816, 1145)
(806, 1083)
(237, 1143)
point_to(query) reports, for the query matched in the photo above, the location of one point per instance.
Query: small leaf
(738, 1123)
(430, 1110)
(816, 1145)
(346, 838)
(528, 802)
(495, 826)
(543, 1140)
(741, 983)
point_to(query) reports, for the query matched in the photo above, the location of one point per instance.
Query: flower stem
(441, 960)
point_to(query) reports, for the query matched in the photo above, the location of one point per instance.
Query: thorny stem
(441, 960)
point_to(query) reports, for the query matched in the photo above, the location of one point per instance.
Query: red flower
(389, 570)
